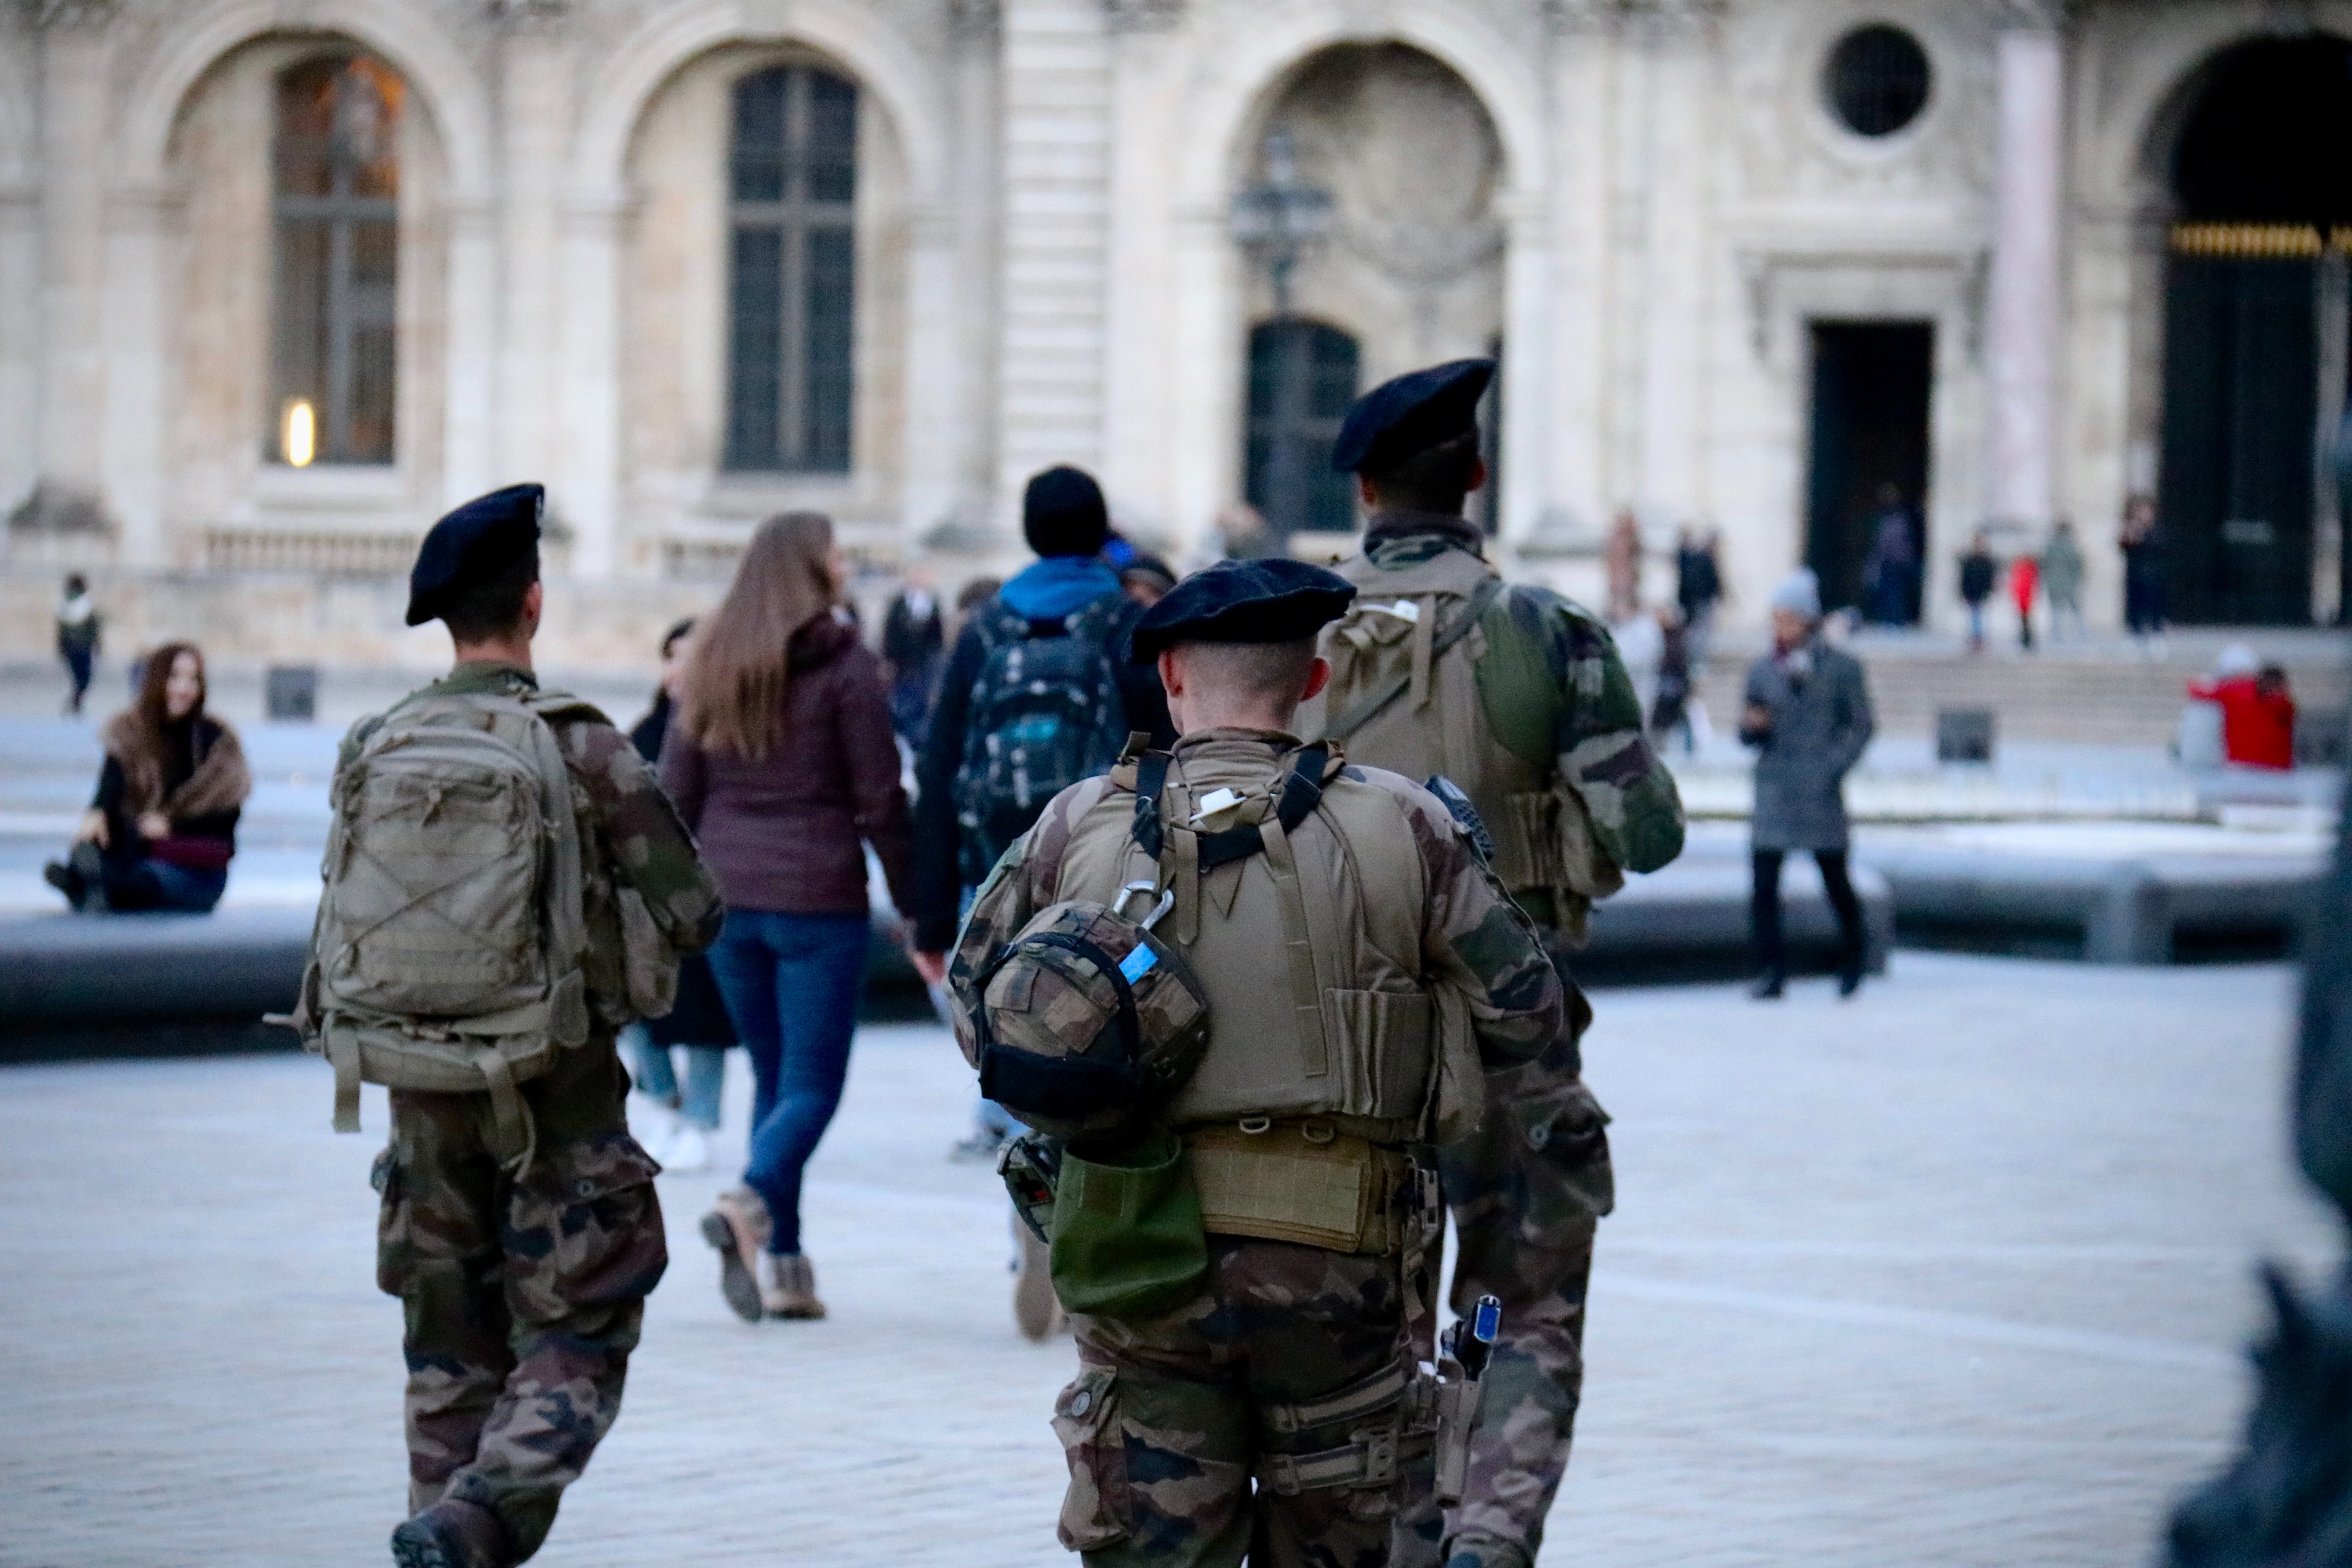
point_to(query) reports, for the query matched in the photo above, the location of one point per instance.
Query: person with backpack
(506, 886)
(1244, 1213)
(1517, 697)
(783, 761)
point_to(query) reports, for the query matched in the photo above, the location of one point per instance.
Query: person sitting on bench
(160, 831)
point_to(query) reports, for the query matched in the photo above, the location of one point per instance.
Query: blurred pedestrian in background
(1698, 587)
(2257, 709)
(783, 762)
(1807, 712)
(2062, 580)
(1242, 535)
(1147, 579)
(2145, 588)
(914, 636)
(1890, 572)
(1675, 707)
(2024, 580)
(1980, 572)
(162, 829)
(679, 1122)
(1621, 560)
(78, 637)
(974, 594)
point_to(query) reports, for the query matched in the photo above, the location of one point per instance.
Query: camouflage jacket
(637, 839)
(1474, 938)
(1598, 738)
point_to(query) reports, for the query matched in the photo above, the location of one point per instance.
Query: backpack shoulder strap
(1302, 791)
(1375, 702)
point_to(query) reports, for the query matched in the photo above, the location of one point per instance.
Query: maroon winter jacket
(785, 833)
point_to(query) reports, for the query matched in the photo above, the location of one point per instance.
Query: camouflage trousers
(1526, 1194)
(521, 1300)
(1198, 1439)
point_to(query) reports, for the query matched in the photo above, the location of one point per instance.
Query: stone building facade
(280, 279)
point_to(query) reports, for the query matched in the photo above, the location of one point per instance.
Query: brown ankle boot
(738, 1225)
(791, 1289)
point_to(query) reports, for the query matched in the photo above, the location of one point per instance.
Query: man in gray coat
(1807, 712)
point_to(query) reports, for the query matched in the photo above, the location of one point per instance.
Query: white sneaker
(653, 1125)
(688, 1149)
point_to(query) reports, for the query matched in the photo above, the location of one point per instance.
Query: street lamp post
(1275, 222)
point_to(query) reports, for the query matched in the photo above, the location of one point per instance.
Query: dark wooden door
(2241, 387)
(1872, 385)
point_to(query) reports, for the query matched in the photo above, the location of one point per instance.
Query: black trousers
(1764, 910)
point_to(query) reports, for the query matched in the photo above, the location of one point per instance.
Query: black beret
(1062, 513)
(1273, 600)
(1411, 414)
(474, 545)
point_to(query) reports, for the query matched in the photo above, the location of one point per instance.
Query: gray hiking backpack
(448, 950)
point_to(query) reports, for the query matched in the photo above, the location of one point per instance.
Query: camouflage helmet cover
(1087, 1021)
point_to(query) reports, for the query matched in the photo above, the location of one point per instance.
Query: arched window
(1302, 377)
(792, 184)
(336, 156)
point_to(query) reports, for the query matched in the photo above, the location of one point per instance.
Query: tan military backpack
(1405, 696)
(449, 949)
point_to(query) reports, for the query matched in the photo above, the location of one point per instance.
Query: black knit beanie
(1062, 513)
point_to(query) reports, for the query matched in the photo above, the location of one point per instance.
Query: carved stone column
(2021, 327)
(75, 116)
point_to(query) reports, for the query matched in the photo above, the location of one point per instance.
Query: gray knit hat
(1800, 591)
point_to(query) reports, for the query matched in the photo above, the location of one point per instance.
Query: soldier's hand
(931, 967)
(92, 829)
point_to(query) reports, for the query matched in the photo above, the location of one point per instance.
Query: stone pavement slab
(1957, 1273)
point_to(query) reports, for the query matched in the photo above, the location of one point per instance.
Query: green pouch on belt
(1127, 1241)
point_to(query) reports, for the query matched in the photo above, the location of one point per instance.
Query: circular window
(1876, 81)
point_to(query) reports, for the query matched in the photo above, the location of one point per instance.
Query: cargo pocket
(583, 1229)
(1097, 1511)
(1568, 1139)
(1526, 841)
(1383, 1040)
(395, 1247)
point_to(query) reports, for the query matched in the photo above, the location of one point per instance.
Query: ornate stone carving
(974, 21)
(1143, 15)
(72, 12)
(529, 10)
(2036, 15)
(1578, 15)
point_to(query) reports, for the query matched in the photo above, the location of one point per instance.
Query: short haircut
(492, 608)
(1276, 671)
(1436, 479)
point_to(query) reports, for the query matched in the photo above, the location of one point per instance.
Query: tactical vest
(1310, 950)
(1415, 662)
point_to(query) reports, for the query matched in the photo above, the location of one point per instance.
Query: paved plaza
(1955, 1274)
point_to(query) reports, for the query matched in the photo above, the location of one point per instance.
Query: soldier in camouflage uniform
(521, 1295)
(1290, 1366)
(1540, 726)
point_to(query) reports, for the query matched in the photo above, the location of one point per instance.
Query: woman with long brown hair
(161, 830)
(782, 760)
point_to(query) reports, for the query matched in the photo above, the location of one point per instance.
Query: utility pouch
(1127, 1241)
(1030, 1167)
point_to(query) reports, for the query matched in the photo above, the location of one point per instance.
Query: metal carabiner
(1167, 901)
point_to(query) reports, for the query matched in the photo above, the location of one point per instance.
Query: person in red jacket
(2257, 716)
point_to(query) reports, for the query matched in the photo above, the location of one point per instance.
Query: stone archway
(1408, 270)
(2256, 333)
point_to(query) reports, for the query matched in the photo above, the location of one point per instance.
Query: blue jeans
(706, 1074)
(791, 983)
(149, 885)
